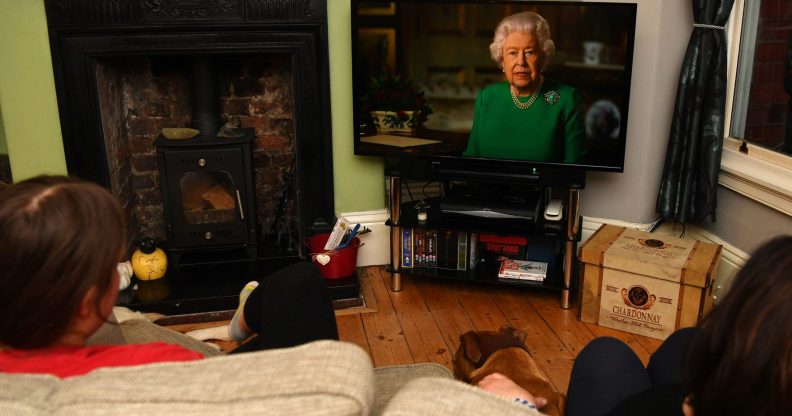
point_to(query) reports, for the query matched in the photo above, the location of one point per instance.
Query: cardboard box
(645, 283)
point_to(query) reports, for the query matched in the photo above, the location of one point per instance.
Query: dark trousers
(289, 307)
(607, 373)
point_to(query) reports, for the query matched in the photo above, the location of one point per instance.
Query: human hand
(500, 385)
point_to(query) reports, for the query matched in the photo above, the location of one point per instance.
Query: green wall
(27, 91)
(32, 129)
(359, 181)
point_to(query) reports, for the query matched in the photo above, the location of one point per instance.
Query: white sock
(216, 332)
(234, 331)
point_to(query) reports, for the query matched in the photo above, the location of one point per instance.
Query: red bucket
(343, 262)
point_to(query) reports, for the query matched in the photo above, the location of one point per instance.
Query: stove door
(206, 193)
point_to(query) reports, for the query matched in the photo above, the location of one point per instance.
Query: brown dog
(485, 352)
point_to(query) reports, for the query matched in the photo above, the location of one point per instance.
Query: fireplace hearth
(124, 70)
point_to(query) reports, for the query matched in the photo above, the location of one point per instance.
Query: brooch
(552, 97)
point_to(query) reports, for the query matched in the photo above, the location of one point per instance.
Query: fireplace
(123, 71)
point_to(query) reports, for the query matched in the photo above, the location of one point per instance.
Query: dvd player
(489, 209)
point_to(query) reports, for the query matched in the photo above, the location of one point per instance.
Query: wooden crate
(645, 283)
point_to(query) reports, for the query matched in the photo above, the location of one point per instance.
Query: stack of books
(512, 269)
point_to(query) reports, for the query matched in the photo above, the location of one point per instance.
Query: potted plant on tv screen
(395, 103)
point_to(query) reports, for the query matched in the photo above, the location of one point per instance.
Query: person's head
(522, 47)
(741, 360)
(60, 244)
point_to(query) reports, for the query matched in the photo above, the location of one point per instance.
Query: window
(761, 112)
(756, 160)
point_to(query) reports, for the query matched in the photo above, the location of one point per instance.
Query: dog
(485, 352)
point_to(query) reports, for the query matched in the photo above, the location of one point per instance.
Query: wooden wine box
(646, 284)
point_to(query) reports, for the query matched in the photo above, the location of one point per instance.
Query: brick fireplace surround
(122, 74)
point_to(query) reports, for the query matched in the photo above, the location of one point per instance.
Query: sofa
(325, 378)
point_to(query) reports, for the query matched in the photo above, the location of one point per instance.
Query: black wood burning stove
(207, 181)
(207, 191)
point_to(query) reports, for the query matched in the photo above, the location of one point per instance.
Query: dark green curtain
(690, 176)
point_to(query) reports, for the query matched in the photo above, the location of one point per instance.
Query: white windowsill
(760, 174)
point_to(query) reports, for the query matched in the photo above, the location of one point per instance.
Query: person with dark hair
(528, 116)
(61, 241)
(738, 361)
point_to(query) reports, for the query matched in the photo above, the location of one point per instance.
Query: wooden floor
(423, 322)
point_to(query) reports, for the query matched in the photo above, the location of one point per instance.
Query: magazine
(522, 269)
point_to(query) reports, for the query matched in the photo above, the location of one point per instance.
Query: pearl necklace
(526, 105)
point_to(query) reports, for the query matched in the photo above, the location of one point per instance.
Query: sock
(204, 334)
(234, 331)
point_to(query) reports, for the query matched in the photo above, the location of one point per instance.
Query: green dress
(551, 130)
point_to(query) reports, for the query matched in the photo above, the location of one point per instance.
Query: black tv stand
(527, 219)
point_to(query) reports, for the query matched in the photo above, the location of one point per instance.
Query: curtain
(690, 175)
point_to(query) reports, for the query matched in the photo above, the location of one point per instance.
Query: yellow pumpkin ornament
(149, 262)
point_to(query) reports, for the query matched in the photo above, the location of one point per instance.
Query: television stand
(554, 242)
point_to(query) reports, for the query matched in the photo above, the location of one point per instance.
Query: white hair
(522, 23)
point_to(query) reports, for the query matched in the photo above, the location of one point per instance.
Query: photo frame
(379, 44)
(446, 20)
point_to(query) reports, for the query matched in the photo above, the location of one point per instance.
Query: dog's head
(476, 346)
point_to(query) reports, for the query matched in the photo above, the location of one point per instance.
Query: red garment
(67, 361)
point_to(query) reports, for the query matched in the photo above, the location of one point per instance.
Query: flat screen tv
(558, 105)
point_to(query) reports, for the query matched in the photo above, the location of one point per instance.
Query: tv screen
(551, 88)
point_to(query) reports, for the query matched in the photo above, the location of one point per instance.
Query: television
(441, 48)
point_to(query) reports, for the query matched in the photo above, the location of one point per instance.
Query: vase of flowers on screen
(396, 104)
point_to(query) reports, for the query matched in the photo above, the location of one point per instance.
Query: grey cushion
(389, 380)
(320, 378)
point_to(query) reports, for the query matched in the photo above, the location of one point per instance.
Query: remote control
(554, 210)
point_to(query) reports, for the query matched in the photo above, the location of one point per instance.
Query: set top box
(645, 283)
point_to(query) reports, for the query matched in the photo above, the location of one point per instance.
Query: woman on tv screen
(528, 116)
